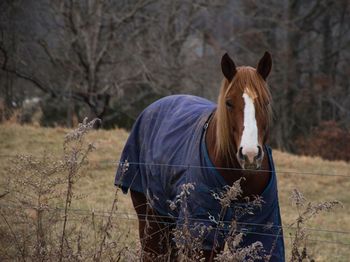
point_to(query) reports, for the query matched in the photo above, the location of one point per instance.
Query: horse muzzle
(250, 159)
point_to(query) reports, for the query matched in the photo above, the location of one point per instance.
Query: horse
(183, 139)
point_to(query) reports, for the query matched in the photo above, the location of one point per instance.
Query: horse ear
(264, 66)
(228, 67)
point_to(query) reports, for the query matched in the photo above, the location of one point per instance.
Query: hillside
(97, 187)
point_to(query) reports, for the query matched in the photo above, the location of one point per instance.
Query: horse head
(243, 113)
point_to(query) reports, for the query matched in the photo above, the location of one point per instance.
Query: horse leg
(154, 232)
(209, 255)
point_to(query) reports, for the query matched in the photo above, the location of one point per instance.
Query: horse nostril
(259, 155)
(240, 154)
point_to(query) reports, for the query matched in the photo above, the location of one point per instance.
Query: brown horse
(235, 137)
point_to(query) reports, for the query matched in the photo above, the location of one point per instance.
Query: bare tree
(84, 48)
(109, 59)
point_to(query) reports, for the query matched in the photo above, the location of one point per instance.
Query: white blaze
(249, 140)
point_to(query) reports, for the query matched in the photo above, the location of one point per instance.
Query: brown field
(97, 189)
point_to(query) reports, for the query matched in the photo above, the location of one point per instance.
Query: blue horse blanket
(166, 149)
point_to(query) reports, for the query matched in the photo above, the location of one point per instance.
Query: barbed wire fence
(279, 171)
(133, 216)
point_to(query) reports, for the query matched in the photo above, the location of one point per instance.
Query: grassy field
(97, 189)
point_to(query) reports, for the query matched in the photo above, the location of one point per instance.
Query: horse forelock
(248, 81)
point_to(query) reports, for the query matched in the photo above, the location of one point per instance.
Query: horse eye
(229, 104)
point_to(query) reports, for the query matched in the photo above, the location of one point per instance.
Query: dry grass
(98, 190)
(316, 189)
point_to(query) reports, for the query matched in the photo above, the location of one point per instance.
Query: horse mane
(247, 80)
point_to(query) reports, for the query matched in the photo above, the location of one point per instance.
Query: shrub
(328, 140)
(37, 221)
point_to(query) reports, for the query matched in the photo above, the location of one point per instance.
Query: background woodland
(63, 60)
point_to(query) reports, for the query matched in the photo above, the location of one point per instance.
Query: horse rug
(166, 149)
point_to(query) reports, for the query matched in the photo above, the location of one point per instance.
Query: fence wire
(236, 230)
(132, 216)
(279, 171)
(155, 218)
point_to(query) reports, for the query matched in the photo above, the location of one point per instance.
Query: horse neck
(255, 181)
